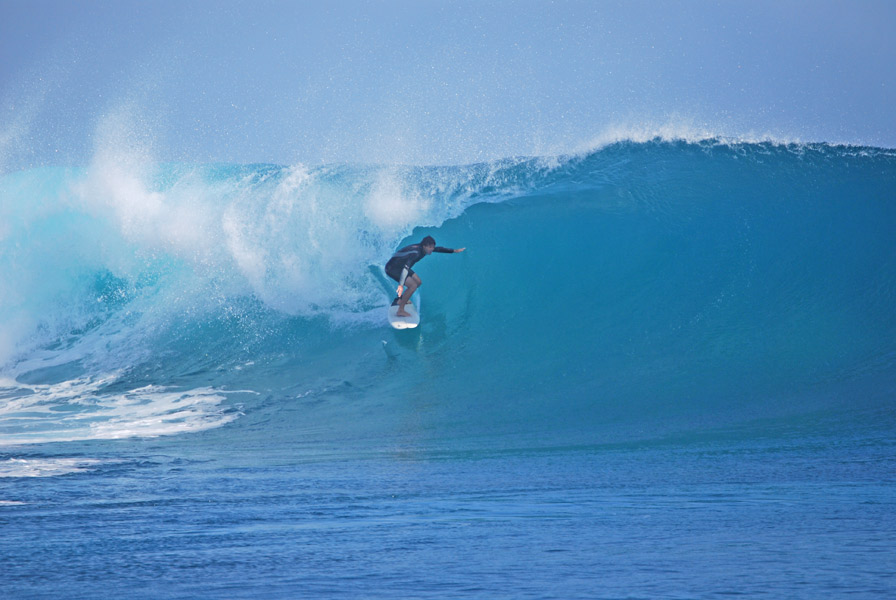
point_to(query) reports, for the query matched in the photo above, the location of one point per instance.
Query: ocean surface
(662, 369)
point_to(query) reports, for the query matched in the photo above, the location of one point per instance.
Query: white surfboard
(404, 322)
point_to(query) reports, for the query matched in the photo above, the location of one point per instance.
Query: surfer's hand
(459, 250)
(400, 290)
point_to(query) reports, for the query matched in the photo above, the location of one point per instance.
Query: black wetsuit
(399, 266)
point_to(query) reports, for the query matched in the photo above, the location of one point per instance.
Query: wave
(663, 278)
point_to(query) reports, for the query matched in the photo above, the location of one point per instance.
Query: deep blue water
(660, 370)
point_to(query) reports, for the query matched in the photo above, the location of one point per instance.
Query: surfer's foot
(402, 313)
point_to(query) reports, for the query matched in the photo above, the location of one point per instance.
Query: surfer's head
(428, 242)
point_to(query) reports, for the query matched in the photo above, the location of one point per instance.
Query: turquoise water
(661, 369)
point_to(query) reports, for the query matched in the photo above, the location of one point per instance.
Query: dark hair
(428, 241)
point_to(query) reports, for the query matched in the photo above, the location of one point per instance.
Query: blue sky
(432, 82)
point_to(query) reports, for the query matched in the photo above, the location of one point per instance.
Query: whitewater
(663, 368)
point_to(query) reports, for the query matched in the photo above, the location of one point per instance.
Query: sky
(432, 82)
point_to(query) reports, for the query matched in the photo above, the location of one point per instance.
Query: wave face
(638, 291)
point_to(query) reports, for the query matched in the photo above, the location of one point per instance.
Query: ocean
(663, 368)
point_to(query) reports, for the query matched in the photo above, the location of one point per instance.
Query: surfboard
(404, 322)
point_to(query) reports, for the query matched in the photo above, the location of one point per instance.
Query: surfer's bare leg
(410, 286)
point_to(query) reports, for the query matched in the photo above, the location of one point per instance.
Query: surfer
(399, 268)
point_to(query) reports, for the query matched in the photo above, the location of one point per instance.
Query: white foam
(81, 409)
(392, 207)
(44, 467)
(13, 329)
(179, 222)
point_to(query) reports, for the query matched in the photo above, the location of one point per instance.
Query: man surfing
(399, 269)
